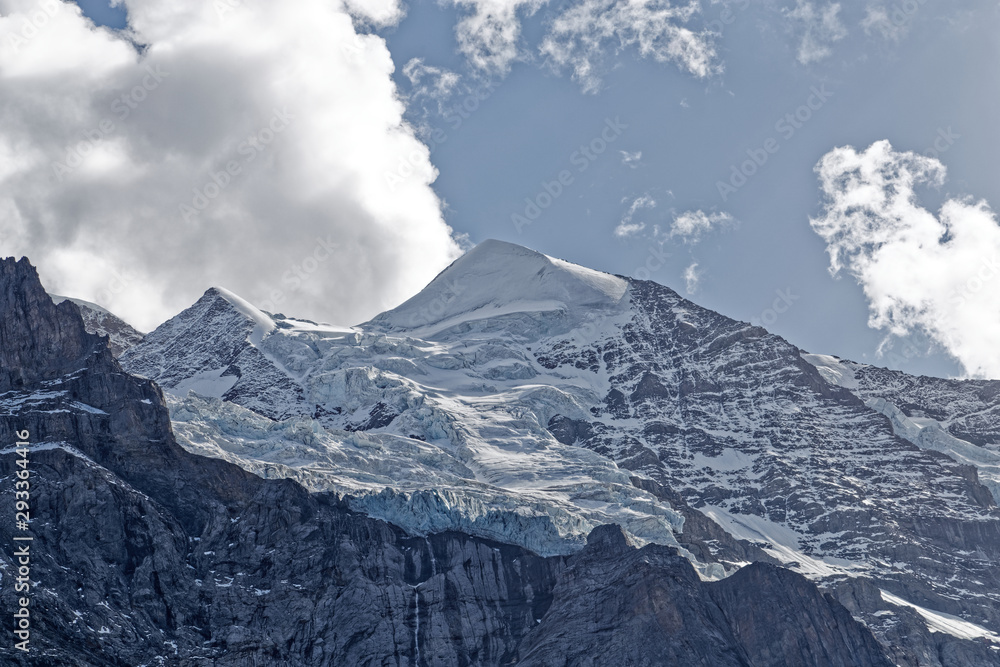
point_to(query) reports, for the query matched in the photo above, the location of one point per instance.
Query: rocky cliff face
(145, 554)
(647, 606)
(737, 423)
(97, 320)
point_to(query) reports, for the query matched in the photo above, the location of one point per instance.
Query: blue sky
(691, 132)
(932, 80)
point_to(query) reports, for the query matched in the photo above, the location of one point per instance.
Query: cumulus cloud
(627, 227)
(581, 35)
(246, 145)
(690, 225)
(936, 273)
(820, 28)
(376, 12)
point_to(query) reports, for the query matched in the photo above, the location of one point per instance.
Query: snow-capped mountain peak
(263, 324)
(206, 348)
(499, 280)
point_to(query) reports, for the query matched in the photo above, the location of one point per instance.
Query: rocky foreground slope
(145, 554)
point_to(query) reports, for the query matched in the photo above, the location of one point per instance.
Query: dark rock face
(733, 421)
(702, 536)
(971, 408)
(648, 607)
(96, 320)
(211, 335)
(145, 554)
(40, 341)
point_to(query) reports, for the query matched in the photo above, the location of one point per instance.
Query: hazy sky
(737, 152)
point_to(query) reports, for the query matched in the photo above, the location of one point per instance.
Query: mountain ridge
(482, 421)
(148, 554)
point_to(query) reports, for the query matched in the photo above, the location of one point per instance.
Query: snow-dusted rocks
(97, 320)
(432, 436)
(145, 554)
(522, 398)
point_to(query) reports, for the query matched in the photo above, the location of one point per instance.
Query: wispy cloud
(427, 81)
(690, 225)
(692, 278)
(920, 271)
(820, 27)
(582, 34)
(489, 35)
(885, 21)
(380, 13)
(627, 227)
(631, 159)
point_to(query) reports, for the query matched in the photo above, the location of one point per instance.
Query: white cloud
(293, 98)
(428, 81)
(921, 272)
(892, 25)
(377, 12)
(489, 35)
(581, 34)
(631, 160)
(626, 227)
(690, 225)
(820, 28)
(692, 277)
